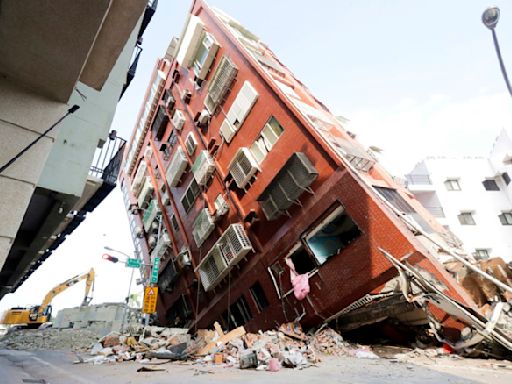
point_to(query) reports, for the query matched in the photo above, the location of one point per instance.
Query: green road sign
(154, 270)
(133, 263)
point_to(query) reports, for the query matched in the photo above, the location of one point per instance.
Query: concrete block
(24, 108)
(13, 204)
(30, 165)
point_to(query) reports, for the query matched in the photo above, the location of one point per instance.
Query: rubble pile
(31, 339)
(287, 346)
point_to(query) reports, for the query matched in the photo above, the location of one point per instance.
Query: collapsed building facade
(264, 209)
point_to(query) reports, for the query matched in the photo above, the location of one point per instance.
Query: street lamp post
(490, 18)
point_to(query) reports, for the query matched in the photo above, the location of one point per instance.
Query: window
(506, 178)
(238, 314)
(266, 140)
(174, 223)
(395, 199)
(204, 56)
(190, 195)
(302, 261)
(452, 184)
(481, 254)
(466, 218)
(332, 235)
(506, 218)
(490, 185)
(258, 295)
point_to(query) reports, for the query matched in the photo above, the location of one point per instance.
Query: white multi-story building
(471, 196)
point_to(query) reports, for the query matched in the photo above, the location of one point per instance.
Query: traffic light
(111, 258)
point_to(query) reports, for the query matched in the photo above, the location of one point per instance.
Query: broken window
(466, 218)
(258, 295)
(302, 261)
(180, 314)
(490, 185)
(331, 236)
(238, 314)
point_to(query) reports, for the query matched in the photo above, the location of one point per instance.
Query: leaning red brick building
(237, 177)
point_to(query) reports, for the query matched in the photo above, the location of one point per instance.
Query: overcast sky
(415, 78)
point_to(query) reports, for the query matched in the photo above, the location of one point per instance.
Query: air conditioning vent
(184, 259)
(191, 143)
(243, 167)
(190, 41)
(170, 102)
(235, 243)
(203, 118)
(139, 177)
(227, 130)
(149, 215)
(287, 186)
(203, 168)
(162, 245)
(165, 199)
(224, 255)
(223, 77)
(221, 206)
(178, 119)
(145, 193)
(203, 226)
(177, 166)
(205, 55)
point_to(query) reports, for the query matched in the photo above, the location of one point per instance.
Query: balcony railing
(436, 211)
(418, 179)
(107, 160)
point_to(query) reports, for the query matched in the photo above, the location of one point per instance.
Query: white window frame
(452, 184)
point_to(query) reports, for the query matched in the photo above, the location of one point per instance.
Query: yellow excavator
(33, 317)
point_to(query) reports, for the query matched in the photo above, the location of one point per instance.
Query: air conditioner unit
(183, 259)
(186, 95)
(227, 130)
(190, 143)
(161, 247)
(203, 226)
(221, 206)
(178, 119)
(139, 176)
(165, 199)
(212, 268)
(243, 167)
(235, 243)
(145, 193)
(139, 232)
(176, 167)
(152, 242)
(150, 215)
(203, 168)
(148, 152)
(204, 117)
(170, 102)
(202, 67)
(270, 208)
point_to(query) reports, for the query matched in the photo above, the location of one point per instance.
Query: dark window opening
(336, 232)
(395, 199)
(180, 314)
(238, 314)
(490, 185)
(258, 295)
(302, 261)
(506, 178)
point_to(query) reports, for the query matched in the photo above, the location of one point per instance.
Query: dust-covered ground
(49, 339)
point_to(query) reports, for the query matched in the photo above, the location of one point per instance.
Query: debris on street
(31, 339)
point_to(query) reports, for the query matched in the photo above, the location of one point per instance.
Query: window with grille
(466, 218)
(490, 185)
(452, 184)
(190, 195)
(266, 139)
(506, 218)
(258, 295)
(221, 82)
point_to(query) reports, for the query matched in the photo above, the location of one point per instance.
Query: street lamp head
(491, 16)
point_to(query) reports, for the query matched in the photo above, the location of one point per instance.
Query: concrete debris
(288, 347)
(32, 339)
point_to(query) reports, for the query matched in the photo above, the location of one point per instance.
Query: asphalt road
(56, 367)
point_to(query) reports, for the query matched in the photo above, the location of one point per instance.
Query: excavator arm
(89, 276)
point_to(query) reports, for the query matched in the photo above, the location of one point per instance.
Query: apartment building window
(332, 235)
(452, 184)
(238, 314)
(174, 223)
(190, 195)
(482, 254)
(490, 185)
(506, 178)
(266, 139)
(204, 56)
(258, 295)
(466, 218)
(506, 218)
(395, 199)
